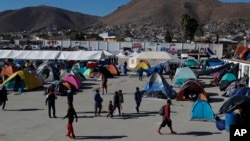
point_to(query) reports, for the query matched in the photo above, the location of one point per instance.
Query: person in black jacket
(50, 101)
(140, 72)
(116, 100)
(71, 114)
(3, 96)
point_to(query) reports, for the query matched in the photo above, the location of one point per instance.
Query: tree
(193, 25)
(168, 37)
(185, 18)
(189, 26)
(199, 32)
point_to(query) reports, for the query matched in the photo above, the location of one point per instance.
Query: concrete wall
(116, 47)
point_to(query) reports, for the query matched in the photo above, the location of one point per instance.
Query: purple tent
(72, 79)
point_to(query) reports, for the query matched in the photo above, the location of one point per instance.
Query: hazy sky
(91, 7)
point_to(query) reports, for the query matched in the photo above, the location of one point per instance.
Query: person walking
(140, 72)
(166, 118)
(110, 109)
(70, 96)
(3, 97)
(50, 101)
(171, 75)
(116, 100)
(121, 100)
(138, 98)
(71, 114)
(98, 103)
(104, 84)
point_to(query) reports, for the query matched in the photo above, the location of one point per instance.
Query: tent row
(52, 55)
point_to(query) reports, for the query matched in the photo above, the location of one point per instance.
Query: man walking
(140, 72)
(116, 100)
(138, 98)
(50, 101)
(166, 119)
(98, 103)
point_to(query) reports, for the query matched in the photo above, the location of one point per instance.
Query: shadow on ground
(100, 137)
(212, 100)
(199, 133)
(90, 114)
(25, 110)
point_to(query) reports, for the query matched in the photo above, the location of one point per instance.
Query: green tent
(87, 72)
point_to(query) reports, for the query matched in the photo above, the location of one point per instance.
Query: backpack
(162, 111)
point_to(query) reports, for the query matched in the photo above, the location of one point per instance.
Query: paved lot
(26, 118)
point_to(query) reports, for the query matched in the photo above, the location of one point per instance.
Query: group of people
(71, 113)
(116, 103)
(113, 105)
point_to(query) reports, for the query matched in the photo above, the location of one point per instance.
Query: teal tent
(229, 77)
(202, 111)
(191, 63)
(226, 80)
(183, 74)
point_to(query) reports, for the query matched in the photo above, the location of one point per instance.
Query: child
(110, 108)
(70, 115)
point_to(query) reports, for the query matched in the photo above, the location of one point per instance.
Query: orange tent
(239, 50)
(9, 70)
(112, 69)
(192, 87)
(243, 54)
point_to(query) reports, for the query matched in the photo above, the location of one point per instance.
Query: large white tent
(153, 57)
(51, 55)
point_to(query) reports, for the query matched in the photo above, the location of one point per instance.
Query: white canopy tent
(5, 54)
(121, 55)
(153, 57)
(51, 55)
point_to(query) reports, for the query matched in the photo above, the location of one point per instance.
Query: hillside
(43, 18)
(150, 12)
(169, 12)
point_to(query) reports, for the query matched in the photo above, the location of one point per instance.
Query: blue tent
(183, 74)
(201, 110)
(157, 87)
(239, 91)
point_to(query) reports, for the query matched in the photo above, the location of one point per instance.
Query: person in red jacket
(166, 119)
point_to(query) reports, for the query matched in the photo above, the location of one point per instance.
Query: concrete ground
(26, 118)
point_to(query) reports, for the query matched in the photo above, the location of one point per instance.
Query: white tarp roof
(29, 54)
(51, 55)
(155, 55)
(133, 54)
(81, 55)
(121, 55)
(5, 54)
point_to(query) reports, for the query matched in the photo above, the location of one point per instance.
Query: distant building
(108, 36)
(92, 37)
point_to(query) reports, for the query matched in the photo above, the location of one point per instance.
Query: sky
(90, 7)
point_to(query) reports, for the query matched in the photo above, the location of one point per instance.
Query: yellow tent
(30, 80)
(141, 64)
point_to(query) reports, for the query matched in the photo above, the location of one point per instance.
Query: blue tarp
(158, 68)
